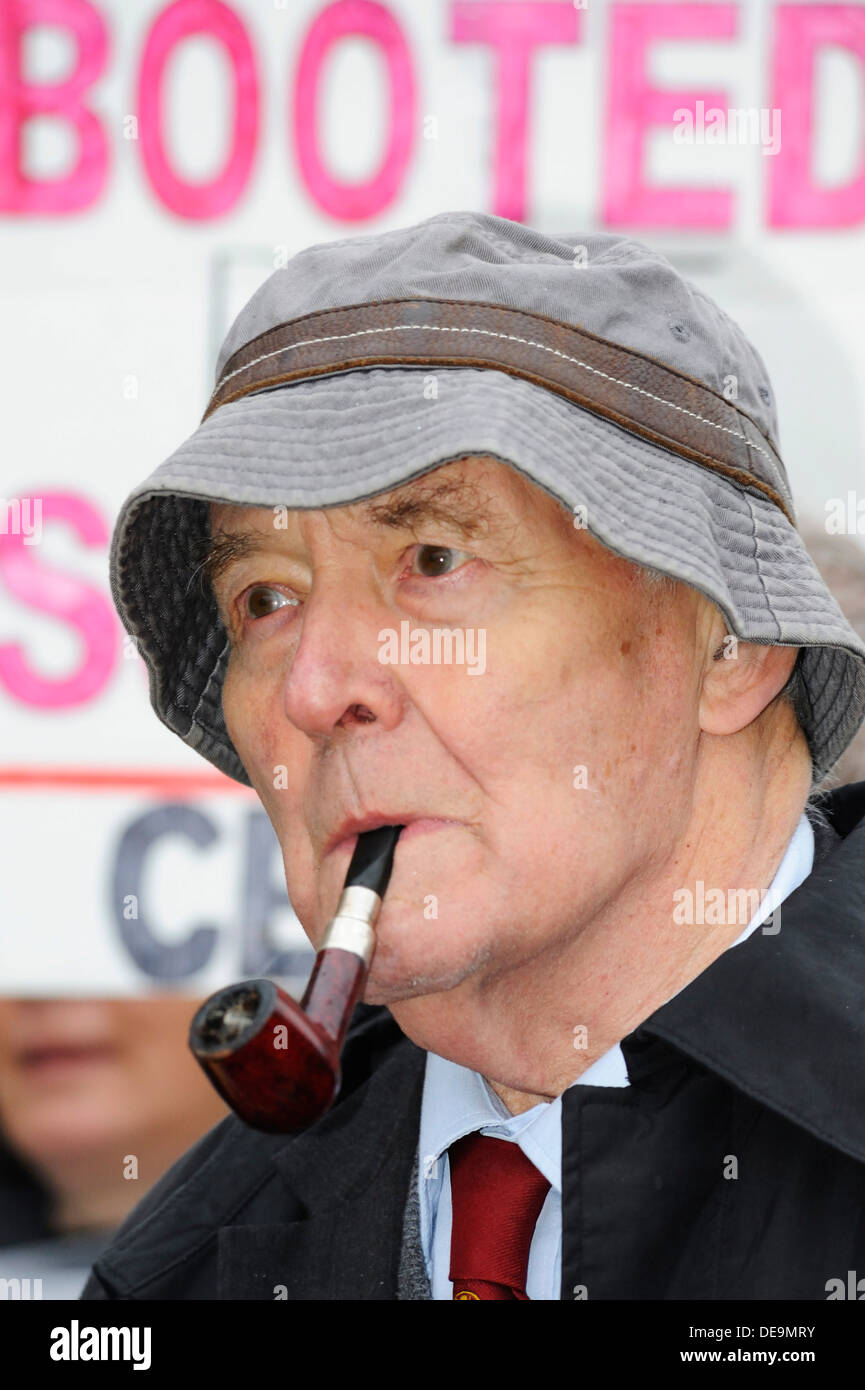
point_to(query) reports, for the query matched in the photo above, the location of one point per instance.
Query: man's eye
(436, 559)
(261, 600)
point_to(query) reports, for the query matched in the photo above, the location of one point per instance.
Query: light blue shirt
(457, 1101)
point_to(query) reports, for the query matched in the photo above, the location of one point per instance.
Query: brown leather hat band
(637, 392)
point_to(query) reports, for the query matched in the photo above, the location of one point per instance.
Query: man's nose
(335, 679)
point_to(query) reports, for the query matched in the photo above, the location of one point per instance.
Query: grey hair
(655, 583)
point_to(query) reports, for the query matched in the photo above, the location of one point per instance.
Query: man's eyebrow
(454, 504)
(223, 548)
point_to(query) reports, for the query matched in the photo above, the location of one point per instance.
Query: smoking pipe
(274, 1061)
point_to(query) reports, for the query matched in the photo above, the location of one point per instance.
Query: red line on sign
(166, 780)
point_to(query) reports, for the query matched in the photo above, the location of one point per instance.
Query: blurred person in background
(98, 1097)
(841, 561)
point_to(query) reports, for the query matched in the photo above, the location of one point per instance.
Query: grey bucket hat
(586, 362)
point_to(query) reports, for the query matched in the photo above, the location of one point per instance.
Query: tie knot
(496, 1197)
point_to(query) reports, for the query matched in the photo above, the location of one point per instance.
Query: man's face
(554, 775)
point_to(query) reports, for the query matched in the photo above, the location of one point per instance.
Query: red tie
(496, 1196)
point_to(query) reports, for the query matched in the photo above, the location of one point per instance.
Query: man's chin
(390, 981)
(393, 991)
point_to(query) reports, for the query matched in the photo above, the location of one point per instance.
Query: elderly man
(611, 1039)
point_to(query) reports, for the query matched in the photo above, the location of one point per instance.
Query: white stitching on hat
(490, 333)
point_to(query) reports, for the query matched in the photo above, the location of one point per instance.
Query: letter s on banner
(63, 596)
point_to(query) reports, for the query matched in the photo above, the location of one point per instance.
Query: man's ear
(740, 679)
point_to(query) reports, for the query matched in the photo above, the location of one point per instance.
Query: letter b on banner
(20, 101)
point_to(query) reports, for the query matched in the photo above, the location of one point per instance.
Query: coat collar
(361, 1153)
(357, 1159)
(348, 1151)
(781, 1017)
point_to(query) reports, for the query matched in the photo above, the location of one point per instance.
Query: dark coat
(733, 1167)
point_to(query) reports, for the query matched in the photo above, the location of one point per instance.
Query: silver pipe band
(352, 927)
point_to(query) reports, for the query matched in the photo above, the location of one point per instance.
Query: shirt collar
(794, 868)
(458, 1101)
